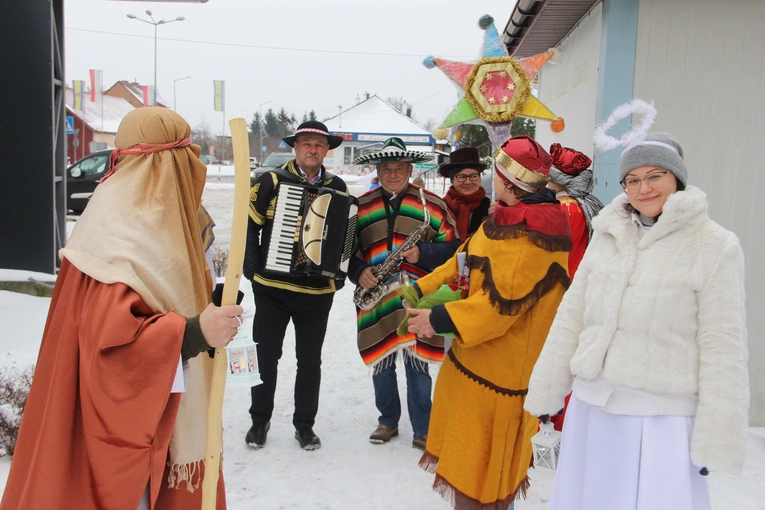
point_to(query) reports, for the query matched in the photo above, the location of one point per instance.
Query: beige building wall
(119, 90)
(104, 137)
(703, 63)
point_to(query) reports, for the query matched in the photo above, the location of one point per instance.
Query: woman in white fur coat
(651, 337)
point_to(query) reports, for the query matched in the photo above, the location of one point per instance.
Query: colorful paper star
(493, 76)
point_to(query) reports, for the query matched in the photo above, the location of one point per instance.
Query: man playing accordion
(281, 297)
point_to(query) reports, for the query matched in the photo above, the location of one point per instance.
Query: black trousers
(309, 313)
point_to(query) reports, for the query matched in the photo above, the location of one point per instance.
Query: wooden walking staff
(241, 146)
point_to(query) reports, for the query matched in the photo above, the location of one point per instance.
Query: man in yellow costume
(479, 445)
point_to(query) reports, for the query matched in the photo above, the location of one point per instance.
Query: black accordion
(313, 231)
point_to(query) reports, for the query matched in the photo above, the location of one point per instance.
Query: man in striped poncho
(386, 217)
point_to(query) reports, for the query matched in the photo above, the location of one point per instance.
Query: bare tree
(203, 136)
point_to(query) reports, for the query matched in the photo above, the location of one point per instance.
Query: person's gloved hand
(217, 295)
(703, 471)
(546, 417)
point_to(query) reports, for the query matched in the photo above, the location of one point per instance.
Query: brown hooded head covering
(141, 228)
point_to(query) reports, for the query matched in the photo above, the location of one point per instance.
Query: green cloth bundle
(445, 294)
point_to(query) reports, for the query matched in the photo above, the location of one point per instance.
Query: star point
(492, 100)
(484, 88)
(505, 99)
(502, 74)
(489, 77)
(511, 86)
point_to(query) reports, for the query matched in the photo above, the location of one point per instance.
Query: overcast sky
(298, 54)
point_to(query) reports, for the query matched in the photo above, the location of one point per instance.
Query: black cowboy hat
(313, 127)
(461, 159)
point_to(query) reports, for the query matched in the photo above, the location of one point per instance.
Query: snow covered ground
(348, 472)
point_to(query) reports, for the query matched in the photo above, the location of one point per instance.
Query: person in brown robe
(112, 420)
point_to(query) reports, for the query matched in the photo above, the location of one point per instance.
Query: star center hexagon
(497, 88)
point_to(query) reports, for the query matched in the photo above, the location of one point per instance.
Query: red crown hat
(569, 161)
(524, 163)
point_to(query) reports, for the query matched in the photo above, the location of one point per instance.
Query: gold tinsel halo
(501, 100)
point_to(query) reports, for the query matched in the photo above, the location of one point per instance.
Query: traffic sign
(263, 149)
(69, 125)
(282, 145)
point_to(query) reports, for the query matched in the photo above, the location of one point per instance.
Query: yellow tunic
(479, 442)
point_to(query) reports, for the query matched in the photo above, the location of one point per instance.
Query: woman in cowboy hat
(480, 437)
(387, 215)
(466, 198)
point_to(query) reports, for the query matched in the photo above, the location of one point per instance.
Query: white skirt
(619, 462)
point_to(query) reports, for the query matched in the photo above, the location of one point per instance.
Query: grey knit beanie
(657, 149)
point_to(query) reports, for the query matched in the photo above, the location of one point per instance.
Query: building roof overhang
(538, 25)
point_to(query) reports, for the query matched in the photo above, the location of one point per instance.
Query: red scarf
(461, 206)
(143, 149)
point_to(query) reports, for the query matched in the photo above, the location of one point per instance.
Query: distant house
(365, 126)
(134, 94)
(96, 122)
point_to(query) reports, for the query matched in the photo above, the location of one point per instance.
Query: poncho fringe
(555, 274)
(458, 499)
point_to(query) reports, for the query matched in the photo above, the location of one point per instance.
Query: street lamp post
(260, 131)
(174, 82)
(156, 24)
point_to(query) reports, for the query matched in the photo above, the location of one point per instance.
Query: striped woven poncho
(377, 337)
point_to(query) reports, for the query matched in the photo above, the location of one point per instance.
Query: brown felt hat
(459, 160)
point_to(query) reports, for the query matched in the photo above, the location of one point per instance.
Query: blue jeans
(418, 389)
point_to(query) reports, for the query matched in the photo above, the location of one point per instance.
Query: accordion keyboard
(286, 220)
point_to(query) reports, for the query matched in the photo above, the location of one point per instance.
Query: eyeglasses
(633, 184)
(463, 177)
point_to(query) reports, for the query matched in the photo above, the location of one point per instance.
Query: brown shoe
(382, 434)
(420, 442)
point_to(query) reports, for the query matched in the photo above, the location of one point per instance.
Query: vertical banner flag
(96, 84)
(77, 86)
(145, 95)
(220, 95)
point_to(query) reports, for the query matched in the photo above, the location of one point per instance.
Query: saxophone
(366, 299)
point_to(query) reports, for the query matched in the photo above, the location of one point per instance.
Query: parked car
(274, 160)
(207, 159)
(83, 177)
(253, 163)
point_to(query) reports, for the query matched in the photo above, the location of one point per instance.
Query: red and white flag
(145, 95)
(96, 84)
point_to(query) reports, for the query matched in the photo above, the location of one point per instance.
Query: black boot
(256, 436)
(307, 439)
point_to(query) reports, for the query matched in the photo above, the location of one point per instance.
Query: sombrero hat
(313, 127)
(393, 149)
